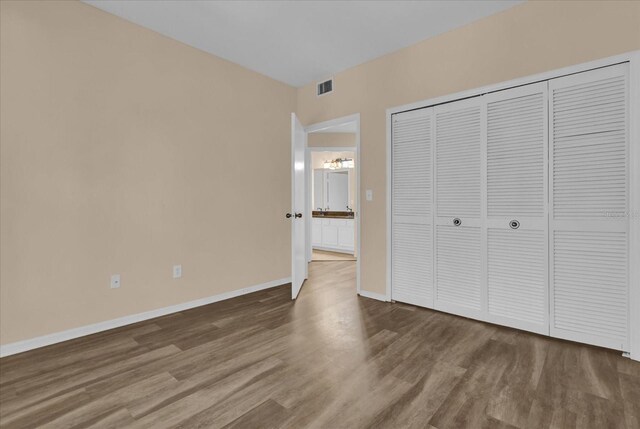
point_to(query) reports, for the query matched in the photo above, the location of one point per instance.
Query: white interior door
(298, 259)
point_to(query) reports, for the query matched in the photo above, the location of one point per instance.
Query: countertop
(332, 215)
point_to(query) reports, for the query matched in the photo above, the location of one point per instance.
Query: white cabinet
(329, 233)
(333, 234)
(316, 232)
(346, 235)
(513, 207)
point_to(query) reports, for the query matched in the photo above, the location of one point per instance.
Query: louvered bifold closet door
(516, 167)
(459, 210)
(411, 205)
(589, 207)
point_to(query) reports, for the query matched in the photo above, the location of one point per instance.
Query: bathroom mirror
(331, 189)
(337, 190)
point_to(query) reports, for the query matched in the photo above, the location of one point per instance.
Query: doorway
(333, 192)
(333, 201)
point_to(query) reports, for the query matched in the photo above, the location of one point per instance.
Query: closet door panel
(458, 270)
(459, 214)
(458, 149)
(412, 214)
(411, 264)
(590, 287)
(516, 169)
(517, 278)
(589, 219)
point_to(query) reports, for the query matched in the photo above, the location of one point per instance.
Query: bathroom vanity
(333, 230)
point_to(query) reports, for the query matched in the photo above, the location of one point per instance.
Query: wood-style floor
(329, 360)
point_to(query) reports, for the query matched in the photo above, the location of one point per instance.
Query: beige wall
(123, 151)
(331, 140)
(527, 39)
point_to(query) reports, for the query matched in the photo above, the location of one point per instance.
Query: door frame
(308, 203)
(633, 58)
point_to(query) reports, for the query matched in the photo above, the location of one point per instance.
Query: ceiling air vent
(325, 87)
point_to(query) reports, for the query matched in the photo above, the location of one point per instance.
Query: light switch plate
(177, 271)
(369, 195)
(115, 281)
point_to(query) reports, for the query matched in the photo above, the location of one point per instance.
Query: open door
(298, 257)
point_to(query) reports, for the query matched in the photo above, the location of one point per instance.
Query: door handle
(288, 215)
(514, 224)
(457, 222)
(298, 215)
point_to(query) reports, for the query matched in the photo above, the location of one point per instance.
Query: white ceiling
(298, 42)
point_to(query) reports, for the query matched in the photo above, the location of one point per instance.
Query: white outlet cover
(115, 281)
(369, 195)
(177, 271)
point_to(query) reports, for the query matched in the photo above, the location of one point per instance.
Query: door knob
(514, 224)
(457, 222)
(288, 215)
(298, 215)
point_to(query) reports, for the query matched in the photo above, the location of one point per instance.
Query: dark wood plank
(267, 415)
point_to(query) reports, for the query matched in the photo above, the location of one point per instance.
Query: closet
(510, 207)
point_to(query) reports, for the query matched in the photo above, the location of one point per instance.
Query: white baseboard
(334, 249)
(58, 337)
(373, 295)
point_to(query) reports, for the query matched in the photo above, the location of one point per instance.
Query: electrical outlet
(115, 281)
(177, 271)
